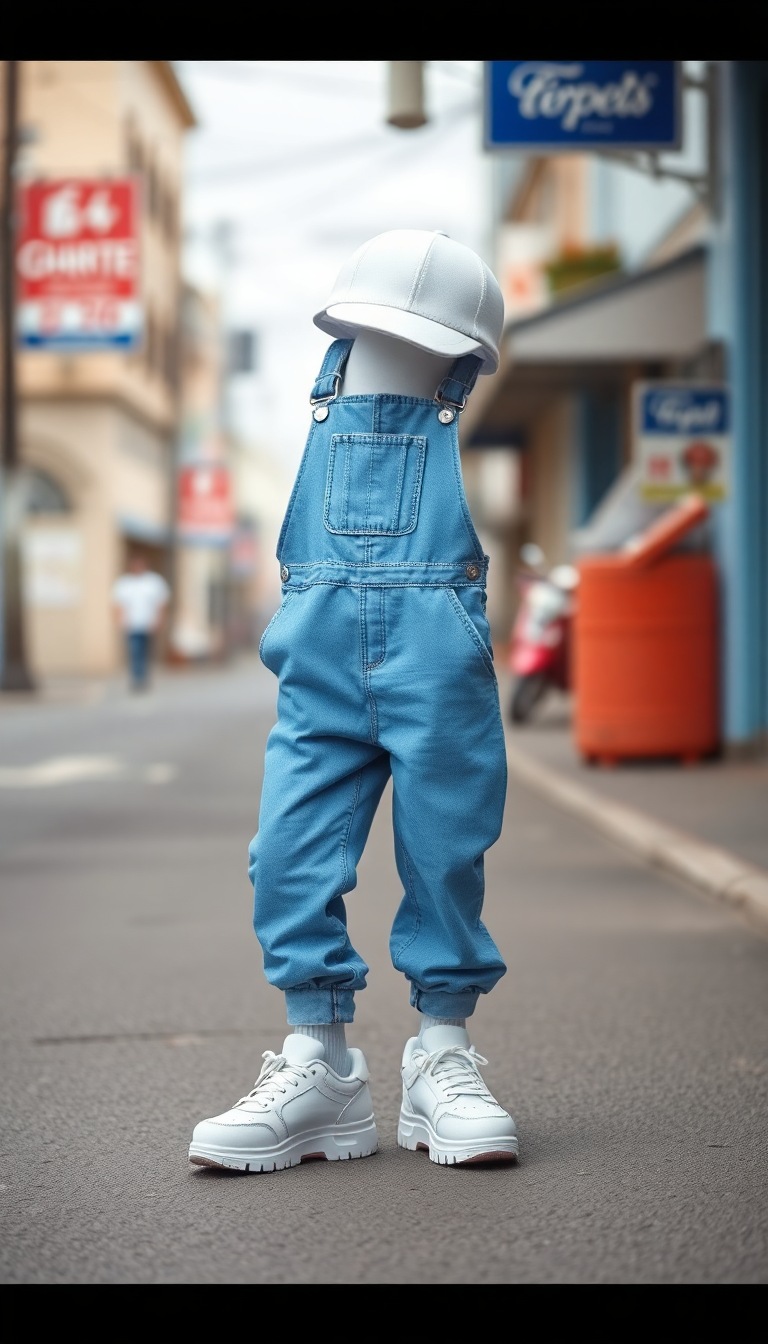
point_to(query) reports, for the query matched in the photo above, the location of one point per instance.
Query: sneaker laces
(456, 1068)
(277, 1074)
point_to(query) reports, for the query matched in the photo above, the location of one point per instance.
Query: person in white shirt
(140, 598)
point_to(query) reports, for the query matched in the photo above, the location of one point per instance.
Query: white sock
(425, 1022)
(333, 1037)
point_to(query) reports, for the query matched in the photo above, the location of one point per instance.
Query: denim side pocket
(471, 631)
(374, 484)
(288, 597)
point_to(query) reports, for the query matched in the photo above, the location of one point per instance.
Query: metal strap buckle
(323, 401)
(446, 401)
(447, 409)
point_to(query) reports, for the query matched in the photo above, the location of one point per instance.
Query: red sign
(206, 508)
(77, 264)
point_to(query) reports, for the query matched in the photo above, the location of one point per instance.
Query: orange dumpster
(646, 648)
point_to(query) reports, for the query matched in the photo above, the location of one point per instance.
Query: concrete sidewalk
(704, 823)
(628, 1037)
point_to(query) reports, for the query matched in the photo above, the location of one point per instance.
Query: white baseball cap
(423, 288)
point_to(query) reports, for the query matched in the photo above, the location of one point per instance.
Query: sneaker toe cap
(487, 1124)
(230, 1130)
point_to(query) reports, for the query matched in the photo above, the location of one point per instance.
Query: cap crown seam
(421, 271)
(482, 295)
(382, 286)
(363, 253)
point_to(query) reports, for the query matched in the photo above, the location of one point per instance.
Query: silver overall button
(321, 413)
(446, 415)
(285, 573)
(472, 572)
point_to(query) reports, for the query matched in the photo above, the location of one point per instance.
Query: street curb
(713, 872)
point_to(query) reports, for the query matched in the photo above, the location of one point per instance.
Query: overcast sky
(290, 169)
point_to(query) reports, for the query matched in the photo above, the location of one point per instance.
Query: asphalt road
(630, 1036)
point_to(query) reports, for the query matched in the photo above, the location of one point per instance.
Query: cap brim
(343, 319)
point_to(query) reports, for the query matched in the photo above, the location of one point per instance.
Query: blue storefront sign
(669, 408)
(682, 440)
(557, 105)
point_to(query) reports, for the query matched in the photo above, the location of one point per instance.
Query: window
(43, 493)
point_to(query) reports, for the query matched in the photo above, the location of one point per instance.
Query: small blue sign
(82, 343)
(685, 411)
(557, 105)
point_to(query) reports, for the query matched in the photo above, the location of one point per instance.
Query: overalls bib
(384, 662)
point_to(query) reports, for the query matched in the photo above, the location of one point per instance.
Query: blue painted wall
(738, 315)
(597, 449)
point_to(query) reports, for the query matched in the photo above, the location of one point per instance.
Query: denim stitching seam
(372, 702)
(291, 502)
(386, 564)
(370, 667)
(366, 669)
(345, 485)
(376, 583)
(363, 633)
(399, 486)
(472, 632)
(342, 889)
(342, 527)
(480, 555)
(369, 487)
(329, 478)
(284, 603)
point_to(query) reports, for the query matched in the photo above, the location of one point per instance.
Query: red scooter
(541, 637)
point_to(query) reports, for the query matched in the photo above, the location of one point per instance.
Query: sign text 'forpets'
(682, 440)
(582, 104)
(78, 269)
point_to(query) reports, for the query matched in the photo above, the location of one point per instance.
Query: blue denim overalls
(383, 656)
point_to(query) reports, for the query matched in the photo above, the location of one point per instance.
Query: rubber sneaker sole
(418, 1133)
(338, 1144)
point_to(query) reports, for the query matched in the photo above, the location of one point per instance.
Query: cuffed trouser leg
(320, 1006)
(318, 802)
(439, 718)
(373, 682)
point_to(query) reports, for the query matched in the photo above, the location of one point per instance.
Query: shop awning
(652, 316)
(656, 314)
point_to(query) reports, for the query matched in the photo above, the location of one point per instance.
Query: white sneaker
(299, 1107)
(447, 1107)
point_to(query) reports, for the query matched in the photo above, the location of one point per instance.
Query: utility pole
(405, 104)
(15, 675)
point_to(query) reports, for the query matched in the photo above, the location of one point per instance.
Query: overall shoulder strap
(456, 387)
(331, 371)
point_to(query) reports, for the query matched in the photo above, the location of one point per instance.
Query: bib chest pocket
(374, 484)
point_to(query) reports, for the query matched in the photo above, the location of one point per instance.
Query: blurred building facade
(225, 580)
(261, 489)
(200, 570)
(98, 430)
(611, 277)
